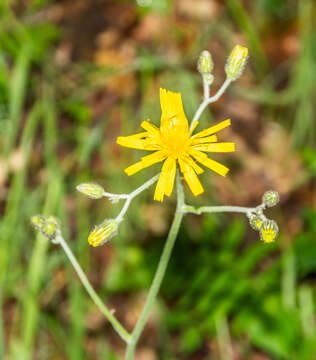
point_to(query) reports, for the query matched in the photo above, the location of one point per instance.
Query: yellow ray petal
(171, 103)
(213, 129)
(171, 169)
(212, 138)
(195, 124)
(211, 164)
(145, 162)
(173, 121)
(191, 162)
(136, 136)
(216, 147)
(151, 128)
(134, 142)
(166, 179)
(191, 178)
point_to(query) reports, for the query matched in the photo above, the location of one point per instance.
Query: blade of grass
(307, 311)
(2, 347)
(14, 201)
(304, 78)
(17, 93)
(288, 279)
(16, 192)
(224, 340)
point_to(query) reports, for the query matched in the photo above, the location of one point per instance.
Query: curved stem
(209, 100)
(130, 197)
(94, 296)
(160, 272)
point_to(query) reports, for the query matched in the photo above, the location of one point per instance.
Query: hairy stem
(210, 100)
(94, 296)
(160, 272)
(216, 209)
(133, 194)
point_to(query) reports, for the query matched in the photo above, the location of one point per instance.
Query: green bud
(103, 233)
(94, 191)
(205, 63)
(270, 198)
(38, 221)
(50, 229)
(236, 62)
(256, 221)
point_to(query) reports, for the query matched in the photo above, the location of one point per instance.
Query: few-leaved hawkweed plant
(182, 151)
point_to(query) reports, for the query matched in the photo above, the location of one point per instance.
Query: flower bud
(38, 221)
(103, 233)
(50, 228)
(205, 63)
(94, 191)
(236, 62)
(256, 221)
(269, 231)
(270, 198)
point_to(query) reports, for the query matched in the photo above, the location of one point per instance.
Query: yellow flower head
(269, 231)
(173, 142)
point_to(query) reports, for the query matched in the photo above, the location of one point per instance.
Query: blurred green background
(75, 74)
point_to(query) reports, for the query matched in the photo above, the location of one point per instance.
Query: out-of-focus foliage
(76, 74)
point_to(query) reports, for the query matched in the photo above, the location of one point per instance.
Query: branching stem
(132, 339)
(133, 194)
(209, 100)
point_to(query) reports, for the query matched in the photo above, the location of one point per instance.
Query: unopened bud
(256, 221)
(270, 198)
(38, 221)
(103, 233)
(205, 63)
(50, 228)
(269, 231)
(236, 62)
(94, 191)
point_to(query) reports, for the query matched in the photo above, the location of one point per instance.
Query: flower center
(175, 137)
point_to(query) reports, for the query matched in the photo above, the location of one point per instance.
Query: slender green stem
(1, 328)
(206, 88)
(216, 209)
(160, 272)
(210, 100)
(133, 194)
(94, 296)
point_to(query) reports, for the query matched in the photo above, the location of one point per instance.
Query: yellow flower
(269, 231)
(173, 142)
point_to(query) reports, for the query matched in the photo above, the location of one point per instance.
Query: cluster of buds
(104, 232)
(268, 229)
(234, 67)
(49, 226)
(236, 62)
